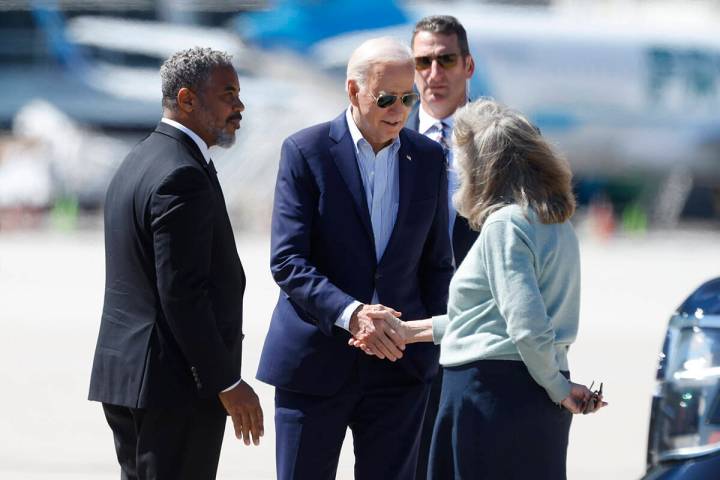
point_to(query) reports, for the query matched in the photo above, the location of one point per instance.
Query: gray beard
(224, 139)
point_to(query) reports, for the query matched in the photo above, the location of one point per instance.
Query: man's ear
(186, 100)
(353, 90)
(469, 66)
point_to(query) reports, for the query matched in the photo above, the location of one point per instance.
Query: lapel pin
(408, 157)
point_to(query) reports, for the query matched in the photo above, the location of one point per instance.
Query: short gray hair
(376, 51)
(502, 158)
(189, 69)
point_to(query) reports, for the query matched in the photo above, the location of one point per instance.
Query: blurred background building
(627, 90)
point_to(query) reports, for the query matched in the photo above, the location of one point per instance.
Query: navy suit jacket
(463, 236)
(323, 256)
(171, 328)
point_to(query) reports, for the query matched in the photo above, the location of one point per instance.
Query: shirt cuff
(232, 386)
(439, 325)
(343, 320)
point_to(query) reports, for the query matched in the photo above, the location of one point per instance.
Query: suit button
(199, 385)
(378, 276)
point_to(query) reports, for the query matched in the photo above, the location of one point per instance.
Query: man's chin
(439, 107)
(391, 132)
(225, 140)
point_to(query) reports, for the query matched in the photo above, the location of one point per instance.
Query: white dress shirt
(195, 137)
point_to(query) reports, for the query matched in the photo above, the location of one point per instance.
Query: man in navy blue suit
(359, 228)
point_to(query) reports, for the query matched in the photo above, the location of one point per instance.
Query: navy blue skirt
(495, 422)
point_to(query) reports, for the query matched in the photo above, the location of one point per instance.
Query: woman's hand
(397, 328)
(407, 332)
(582, 400)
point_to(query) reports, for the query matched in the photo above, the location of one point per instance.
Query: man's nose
(398, 111)
(239, 105)
(397, 107)
(435, 69)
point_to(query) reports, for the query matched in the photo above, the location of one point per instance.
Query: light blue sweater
(516, 296)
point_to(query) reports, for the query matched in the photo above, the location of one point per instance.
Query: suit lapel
(191, 146)
(343, 153)
(407, 174)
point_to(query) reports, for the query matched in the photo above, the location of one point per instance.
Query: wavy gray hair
(189, 69)
(502, 159)
(376, 51)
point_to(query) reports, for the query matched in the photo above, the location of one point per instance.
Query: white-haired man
(359, 226)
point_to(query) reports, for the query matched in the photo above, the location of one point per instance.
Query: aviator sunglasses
(446, 61)
(385, 100)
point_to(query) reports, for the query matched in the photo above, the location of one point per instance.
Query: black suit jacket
(463, 236)
(171, 327)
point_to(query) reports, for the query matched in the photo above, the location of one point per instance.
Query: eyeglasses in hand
(588, 406)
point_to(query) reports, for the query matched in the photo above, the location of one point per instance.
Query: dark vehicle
(684, 436)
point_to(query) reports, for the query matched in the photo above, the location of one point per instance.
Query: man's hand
(243, 406)
(579, 398)
(369, 325)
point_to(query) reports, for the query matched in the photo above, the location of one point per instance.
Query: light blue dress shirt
(381, 182)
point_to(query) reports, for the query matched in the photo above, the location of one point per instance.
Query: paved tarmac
(51, 289)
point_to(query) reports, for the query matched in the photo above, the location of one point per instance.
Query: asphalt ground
(51, 290)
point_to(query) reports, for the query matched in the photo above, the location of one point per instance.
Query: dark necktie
(211, 167)
(442, 139)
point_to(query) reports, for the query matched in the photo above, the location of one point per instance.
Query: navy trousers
(428, 426)
(381, 404)
(495, 422)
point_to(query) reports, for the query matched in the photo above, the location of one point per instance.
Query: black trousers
(167, 443)
(496, 423)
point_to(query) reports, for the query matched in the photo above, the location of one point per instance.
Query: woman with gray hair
(513, 309)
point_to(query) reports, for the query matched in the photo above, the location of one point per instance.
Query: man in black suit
(168, 353)
(443, 67)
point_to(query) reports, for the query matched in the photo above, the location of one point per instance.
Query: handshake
(378, 330)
